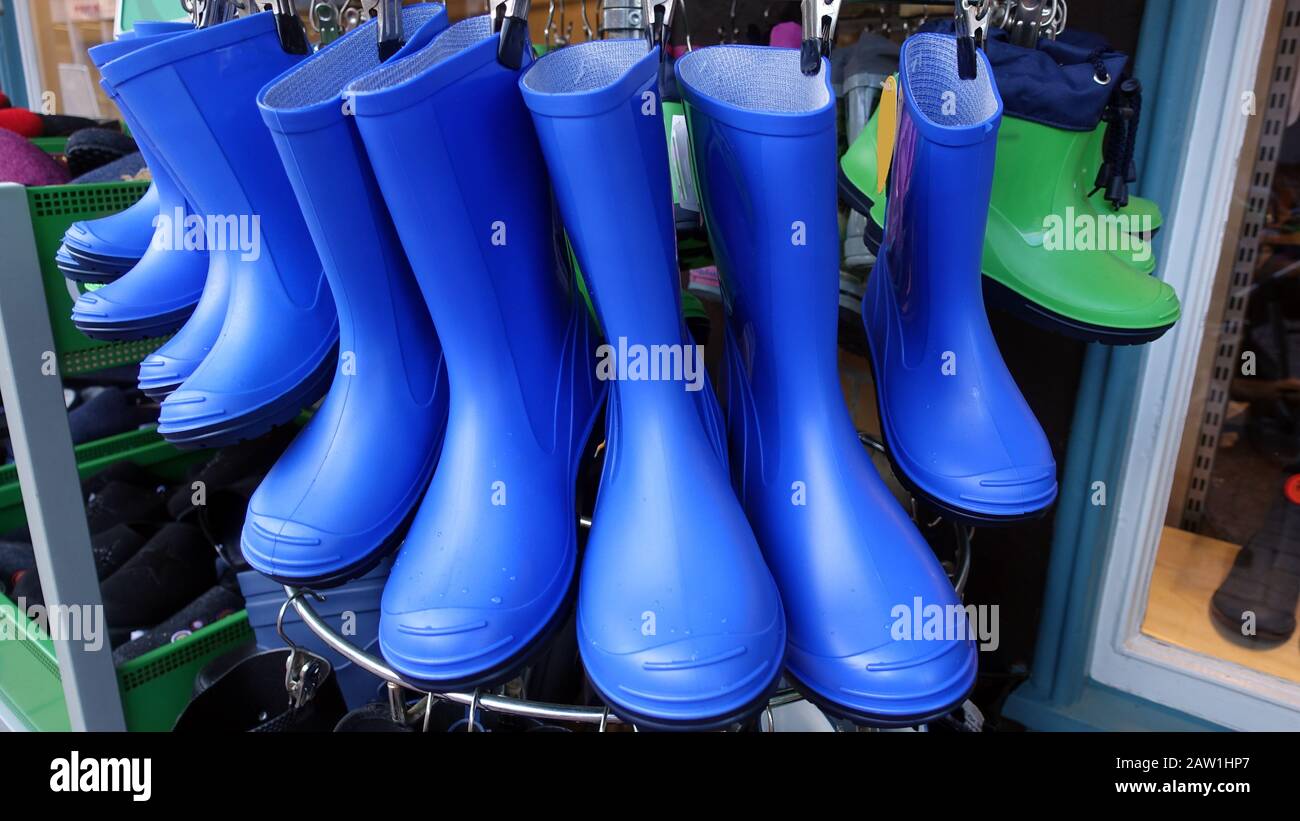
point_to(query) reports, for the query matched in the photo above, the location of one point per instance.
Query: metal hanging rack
(510, 17)
(477, 700)
(301, 601)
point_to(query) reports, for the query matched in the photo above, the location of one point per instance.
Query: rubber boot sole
(1006, 299)
(161, 325)
(944, 508)
(506, 670)
(862, 719)
(161, 393)
(261, 420)
(722, 722)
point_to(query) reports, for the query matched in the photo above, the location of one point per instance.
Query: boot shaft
(1041, 171)
(170, 189)
(378, 301)
(765, 165)
(596, 109)
(455, 154)
(609, 166)
(195, 94)
(941, 178)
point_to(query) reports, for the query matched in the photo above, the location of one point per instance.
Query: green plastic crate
(51, 145)
(53, 209)
(155, 687)
(144, 447)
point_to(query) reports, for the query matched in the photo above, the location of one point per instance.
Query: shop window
(1226, 581)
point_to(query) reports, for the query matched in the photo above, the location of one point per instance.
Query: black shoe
(222, 519)
(173, 569)
(65, 125)
(1263, 586)
(90, 148)
(111, 549)
(16, 560)
(119, 502)
(212, 606)
(230, 466)
(109, 411)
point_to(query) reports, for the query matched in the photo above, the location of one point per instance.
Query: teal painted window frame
(1177, 56)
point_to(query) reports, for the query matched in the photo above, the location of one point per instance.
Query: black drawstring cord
(1121, 115)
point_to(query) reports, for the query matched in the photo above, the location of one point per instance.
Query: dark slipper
(90, 148)
(119, 502)
(123, 168)
(1259, 596)
(213, 605)
(230, 466)
(65, 125)
(175, 567)
(110, 411)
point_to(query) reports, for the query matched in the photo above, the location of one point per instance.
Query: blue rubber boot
(957, 431)
(487, 570)
(311, 522)
(679, 620)
(158, 295)
(843, 552)
(101, 250)
(79, 265)
(275, 353)
(164, 370)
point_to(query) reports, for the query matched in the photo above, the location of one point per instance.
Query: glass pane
(1227, 575)
(64, 30)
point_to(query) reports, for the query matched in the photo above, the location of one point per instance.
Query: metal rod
(377, 667)
(301, 601)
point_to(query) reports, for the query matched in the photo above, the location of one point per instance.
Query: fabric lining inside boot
(931, 63)
(322, 78)
(755, 78)
(451, 42)
(596, 65)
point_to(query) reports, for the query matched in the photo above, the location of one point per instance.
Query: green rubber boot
(1052, 255)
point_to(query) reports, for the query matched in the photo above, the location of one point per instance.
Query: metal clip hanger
(293, 37)
(1028, 20)
(1023, 21)
(819, 20)
(326, 18)
(510, 19)
(972, 26)
(208, 13)
(303, 670)
(620, 19)
(587, 30)
(548, 30)
(731, 33)
(659, 23)
(387, 15)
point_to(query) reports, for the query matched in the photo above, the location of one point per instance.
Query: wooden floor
(1189, 568)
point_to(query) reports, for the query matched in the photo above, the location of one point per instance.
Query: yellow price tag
(886, 131)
